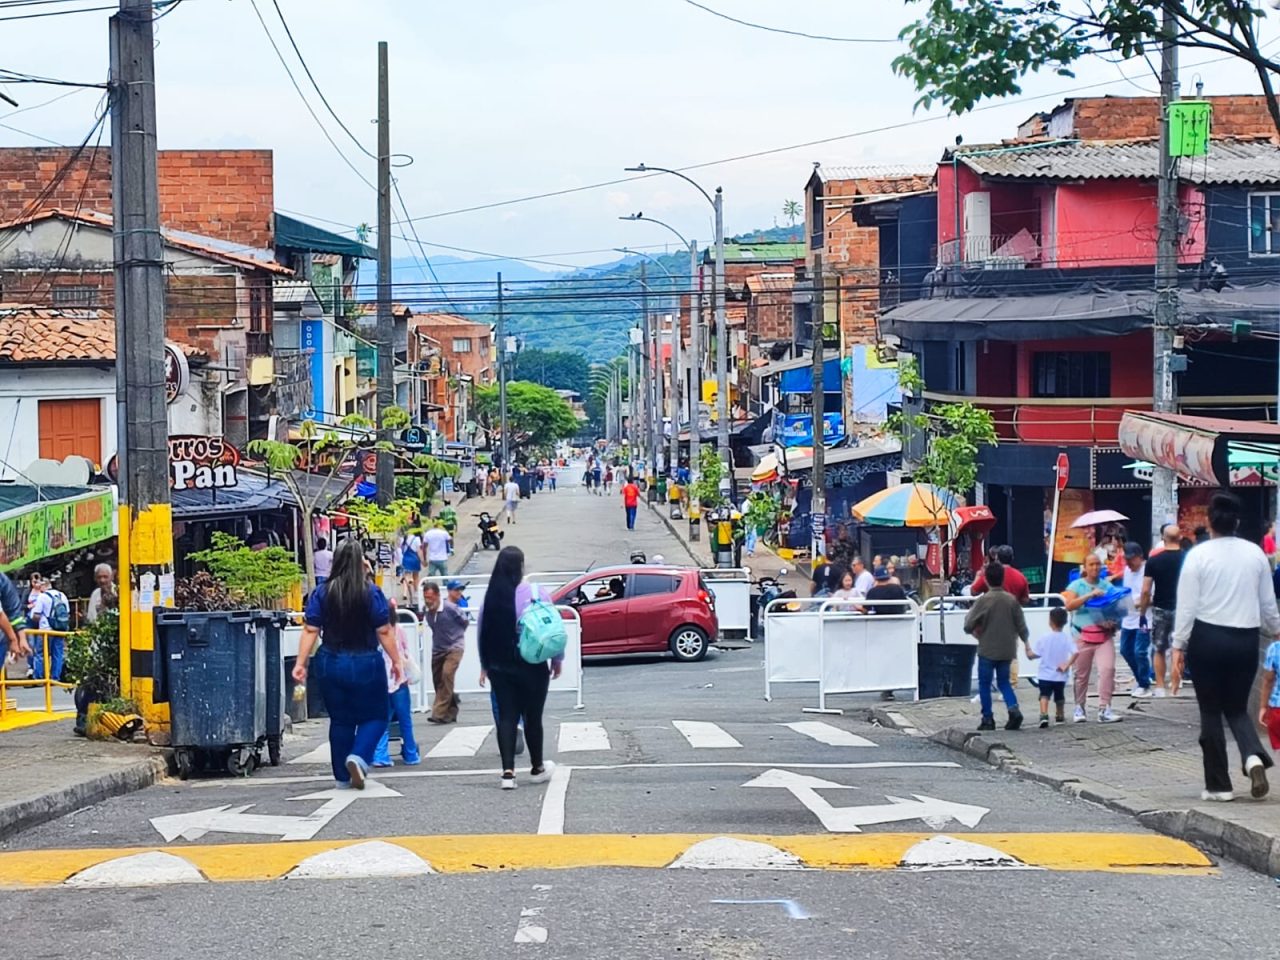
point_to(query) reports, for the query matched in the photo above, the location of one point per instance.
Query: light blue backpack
(542, 633)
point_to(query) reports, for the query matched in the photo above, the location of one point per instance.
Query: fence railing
(41, 637)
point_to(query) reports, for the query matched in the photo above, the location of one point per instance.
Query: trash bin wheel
(273, 750)
(185, 763)
(240, 762)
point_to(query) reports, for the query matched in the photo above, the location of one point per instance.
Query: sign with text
(797, 429)
(177, 374)
(41, 530)
(202, 463)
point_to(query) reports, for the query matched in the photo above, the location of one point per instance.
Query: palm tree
(791, 210)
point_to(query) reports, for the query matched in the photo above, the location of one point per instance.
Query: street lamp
(722, 348)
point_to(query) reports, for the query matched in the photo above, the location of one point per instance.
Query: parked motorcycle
(490, 532)
(768, 589)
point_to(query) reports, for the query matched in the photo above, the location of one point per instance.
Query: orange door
(70, 427)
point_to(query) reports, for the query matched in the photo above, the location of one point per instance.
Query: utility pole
(818, 509)
(145, 513)
(633, 435)
(1164, 496)
(677, 388)
(386, 322)
(502, 380)
(695, 360)
(647, 371)
(722, 346)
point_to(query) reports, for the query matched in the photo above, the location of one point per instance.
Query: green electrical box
(1189, 128)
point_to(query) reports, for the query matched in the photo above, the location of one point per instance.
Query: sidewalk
(1148, 766)
(46, 773)
(764, 562)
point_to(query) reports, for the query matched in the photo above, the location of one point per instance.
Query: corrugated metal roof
(1228, 161)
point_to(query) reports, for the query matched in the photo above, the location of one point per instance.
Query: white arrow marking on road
(228, 819)
(936, 813)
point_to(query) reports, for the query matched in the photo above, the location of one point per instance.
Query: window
(1264, 224)
(1076, 374)
(600, 590)
(75, 296)
(71, 427)
(644, 584)
(461, 345)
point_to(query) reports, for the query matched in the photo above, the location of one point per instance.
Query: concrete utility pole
(1164, 495)
(695, 360)
(633, 434)
(502, 379)
(386, 322)
(818, 510)
(722, 345)
(145, 513)
(646, 367)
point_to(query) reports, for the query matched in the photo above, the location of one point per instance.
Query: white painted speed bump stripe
(828, 734)
(733, 853)
(952, 853)
(575, 737)
(138, 870)
(319, 755)
(374, 858)
(461, 742)
(705, 736)
(526, 930)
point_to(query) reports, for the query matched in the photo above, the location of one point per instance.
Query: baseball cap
(881, 573)
(454, 585)
(1133, 549)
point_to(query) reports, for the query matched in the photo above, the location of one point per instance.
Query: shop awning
(1199, 448)
(251, 494)
(294, 234)
(43, 527)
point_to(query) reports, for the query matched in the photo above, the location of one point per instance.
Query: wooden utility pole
(818, 508)
(386, 321)
(145, 513)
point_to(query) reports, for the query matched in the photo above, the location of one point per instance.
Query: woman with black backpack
(520, 687)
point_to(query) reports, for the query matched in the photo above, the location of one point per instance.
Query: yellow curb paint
(480, 853)
(16, 719)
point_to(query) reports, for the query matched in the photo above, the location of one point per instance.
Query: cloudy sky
(499, 99)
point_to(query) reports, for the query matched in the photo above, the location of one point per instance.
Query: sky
(499, 99)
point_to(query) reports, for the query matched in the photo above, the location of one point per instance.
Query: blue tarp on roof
(800, 379)
(294, 234)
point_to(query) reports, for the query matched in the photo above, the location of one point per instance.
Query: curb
(1215, 835)
(25, 814)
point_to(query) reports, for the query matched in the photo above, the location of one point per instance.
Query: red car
(643, 609)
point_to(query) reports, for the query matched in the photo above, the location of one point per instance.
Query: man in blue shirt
(13, 618)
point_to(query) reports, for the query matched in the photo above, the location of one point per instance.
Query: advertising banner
(796, 430)
(42, 530)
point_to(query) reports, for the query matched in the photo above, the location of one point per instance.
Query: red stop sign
(1062, 469)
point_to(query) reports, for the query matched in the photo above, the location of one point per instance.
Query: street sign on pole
(1062, 471)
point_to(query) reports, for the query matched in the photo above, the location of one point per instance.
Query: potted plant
(258, 579)
(93, 665)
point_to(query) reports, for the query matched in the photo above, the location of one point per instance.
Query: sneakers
(1257, 772)
(1015, 720)
(1159, 693)
(1061, 717)
(1044, 721)
(383, 762)
(988, 723)
(357, 771)
(1217, 796)
(1106, 715)
(1079, 716)
(1140, 693)
(508, 781)
(411, 759)
(542, 774)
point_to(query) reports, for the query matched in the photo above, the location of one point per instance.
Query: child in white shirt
(1056, 653)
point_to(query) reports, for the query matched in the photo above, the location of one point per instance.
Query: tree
(964, 51)
(558, 369)
(791, 210)
(536, 416)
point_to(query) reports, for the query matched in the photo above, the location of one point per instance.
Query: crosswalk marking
(319, 755)
(461, 742)
(705, 736)
(575, 737)
(826, 733)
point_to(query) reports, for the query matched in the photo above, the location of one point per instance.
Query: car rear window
(644, 584)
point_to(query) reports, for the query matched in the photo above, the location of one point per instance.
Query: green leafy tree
(259, 578)
(558, 369)
(706, 489)
(536, 416)
(791, 210)
(963, 51)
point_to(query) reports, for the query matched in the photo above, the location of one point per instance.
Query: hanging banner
(1072, 544)
(41, 530)
(1189, 453)
(796, 430)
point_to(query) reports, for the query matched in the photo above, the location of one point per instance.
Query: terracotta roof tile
(34, 334)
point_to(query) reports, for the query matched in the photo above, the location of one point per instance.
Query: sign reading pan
(196, 463)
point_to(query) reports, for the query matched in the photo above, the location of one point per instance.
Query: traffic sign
(1062, 470)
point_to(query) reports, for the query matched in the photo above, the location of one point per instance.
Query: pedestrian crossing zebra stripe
(461, 742)
(580, 736)
(828, 734)
(704, 735)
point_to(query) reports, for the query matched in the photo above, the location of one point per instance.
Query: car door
(604, 618)
(650, 610)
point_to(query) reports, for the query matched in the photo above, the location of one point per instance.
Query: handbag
(412, 669)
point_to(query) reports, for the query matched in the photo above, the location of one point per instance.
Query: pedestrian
(884, 587)
(596, 477)
(1093, 634)
(438, 544)
(1225, 598)
(1269, 543)
(322, 561)
(401, 703)
(1056, 654)
(354, 619)
(1269, 715)
(48, 610)
(1135, 638)
(412, 562)
(863, 581)
(521, 687)
(1015, 581)
(842, 580)
(630, 502)
(608, 480)
(104, 595)
(448, 639)
(511, 494)
(996, 619)
(13, 619)
(551, 477)
(1159, 601)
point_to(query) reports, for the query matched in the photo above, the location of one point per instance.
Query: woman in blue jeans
(354, 620)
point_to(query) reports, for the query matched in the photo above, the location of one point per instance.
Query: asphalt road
(842, 824)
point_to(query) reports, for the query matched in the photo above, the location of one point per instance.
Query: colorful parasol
(907, 505)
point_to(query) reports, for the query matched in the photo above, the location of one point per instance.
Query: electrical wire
(790, 33)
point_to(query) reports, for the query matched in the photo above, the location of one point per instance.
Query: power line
(790, 33)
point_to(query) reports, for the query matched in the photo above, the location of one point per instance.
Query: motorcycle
(490, 532)
(768, 589)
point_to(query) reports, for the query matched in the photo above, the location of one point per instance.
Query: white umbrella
(1095, 517)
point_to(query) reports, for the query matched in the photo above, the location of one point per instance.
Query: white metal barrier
(792, 638)
(732, 590)
(867, 652)
(947, 614)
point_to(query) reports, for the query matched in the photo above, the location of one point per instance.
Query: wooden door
(70, 427)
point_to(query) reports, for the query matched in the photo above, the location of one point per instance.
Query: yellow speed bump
(1102, 852)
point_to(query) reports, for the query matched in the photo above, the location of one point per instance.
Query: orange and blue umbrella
(907, 505)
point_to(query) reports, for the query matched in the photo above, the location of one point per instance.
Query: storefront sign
(1189, 453)
(1108, 469)
(177, 374)
(313, 340)
(413, 438)
(797, 429)
(1072, 543)
(44, 530)
(202, 463)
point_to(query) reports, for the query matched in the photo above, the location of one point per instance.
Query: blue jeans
(1000, 668)
(631, 518)
(57, 650)
(354, 688)
(1135, 647)
(402, 711)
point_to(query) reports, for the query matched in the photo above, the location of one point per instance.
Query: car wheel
(689, 643)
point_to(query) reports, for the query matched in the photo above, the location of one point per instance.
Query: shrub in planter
(253, 578)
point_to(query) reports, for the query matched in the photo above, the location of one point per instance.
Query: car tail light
(707, 598)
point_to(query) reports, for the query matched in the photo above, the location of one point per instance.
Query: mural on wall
(1072, 544)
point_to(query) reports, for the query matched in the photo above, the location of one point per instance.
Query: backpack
(542, 633)
(60, 616)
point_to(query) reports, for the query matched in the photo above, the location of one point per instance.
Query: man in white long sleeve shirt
(1225, 597)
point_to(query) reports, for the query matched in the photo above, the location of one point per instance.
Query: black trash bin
(945, 669)
(211, 668)
(273, 625)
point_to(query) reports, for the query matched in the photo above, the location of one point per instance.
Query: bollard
(695, 528)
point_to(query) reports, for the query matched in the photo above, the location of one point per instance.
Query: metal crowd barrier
(48, 682)
(942, 621)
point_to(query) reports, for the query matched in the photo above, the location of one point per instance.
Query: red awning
(974, 521)
(1194, 447)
